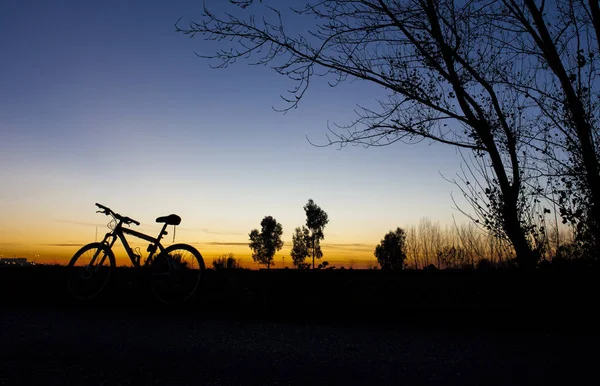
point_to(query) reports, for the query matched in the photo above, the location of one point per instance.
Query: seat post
(162, 232)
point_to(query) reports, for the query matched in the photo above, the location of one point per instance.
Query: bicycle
(174, 271)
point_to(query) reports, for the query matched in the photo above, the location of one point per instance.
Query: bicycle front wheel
(90, 270)
(175, 273)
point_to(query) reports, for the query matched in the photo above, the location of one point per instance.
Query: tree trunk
(313, 252)
(525, 257)
(477, 119)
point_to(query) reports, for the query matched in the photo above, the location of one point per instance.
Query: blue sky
(105, 102)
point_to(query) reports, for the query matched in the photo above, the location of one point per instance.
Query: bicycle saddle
(171, 219)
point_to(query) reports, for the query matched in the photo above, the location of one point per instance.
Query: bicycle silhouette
(174, 271)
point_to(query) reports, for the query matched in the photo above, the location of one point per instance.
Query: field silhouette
(465, 299)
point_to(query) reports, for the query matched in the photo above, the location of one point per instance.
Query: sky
(102, 101)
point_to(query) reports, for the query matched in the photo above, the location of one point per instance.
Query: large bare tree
(441, 62)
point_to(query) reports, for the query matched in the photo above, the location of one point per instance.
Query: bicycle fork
(103, 259)
(100, 251)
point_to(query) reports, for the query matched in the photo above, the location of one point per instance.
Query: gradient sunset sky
(102, 101)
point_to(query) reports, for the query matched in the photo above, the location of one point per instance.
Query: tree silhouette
(267, 242)
(554, 45)
(391, 251)
(300, 243)
(316, 220)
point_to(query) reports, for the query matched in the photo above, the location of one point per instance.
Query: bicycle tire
(175, 273)
(86, 281)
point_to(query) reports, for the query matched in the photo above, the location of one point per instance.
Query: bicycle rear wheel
(90, 270)
(175, 273)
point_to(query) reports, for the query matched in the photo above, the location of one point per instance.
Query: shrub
(226, 261)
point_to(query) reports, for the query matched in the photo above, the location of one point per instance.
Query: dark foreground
(543, 301)
(48, 346)
(305, 328)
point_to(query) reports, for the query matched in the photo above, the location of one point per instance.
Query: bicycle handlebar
(107, 211)
(104, 208)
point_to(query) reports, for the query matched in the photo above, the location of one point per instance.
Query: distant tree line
(464, 246)
(420, 246)
(426, 244)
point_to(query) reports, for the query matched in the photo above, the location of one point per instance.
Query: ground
(241, 330)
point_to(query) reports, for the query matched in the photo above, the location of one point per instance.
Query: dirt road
(104, 347)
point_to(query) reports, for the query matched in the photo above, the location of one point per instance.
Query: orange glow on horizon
(347, 255)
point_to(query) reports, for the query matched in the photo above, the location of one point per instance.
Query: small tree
(316, 219)
(391, 252)
(300, 242)
(267, 242)
(226, 261)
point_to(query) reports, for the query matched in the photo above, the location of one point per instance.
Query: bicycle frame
(119, 233)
